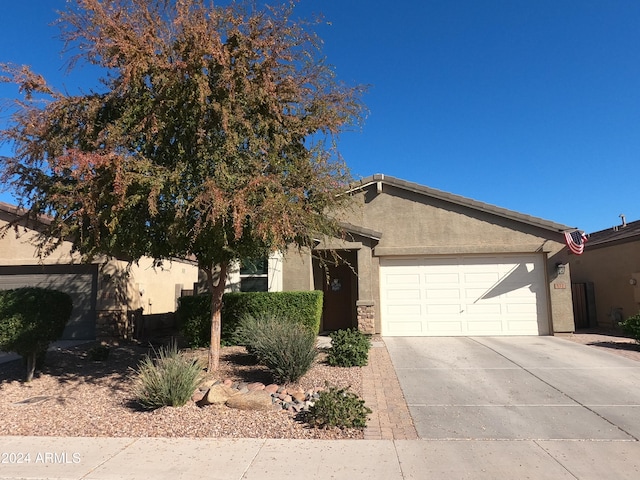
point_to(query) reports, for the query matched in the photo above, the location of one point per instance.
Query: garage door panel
(441, 294)
(405, 310)
(486, 279)
(405, 328)
(403, 279)
(495, 295)
(81, 288)
(444, 328)
(484, 328)
(443, 309)
(441, 278)
(485, 309)
(408, 294)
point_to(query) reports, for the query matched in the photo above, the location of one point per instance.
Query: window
(254, 275)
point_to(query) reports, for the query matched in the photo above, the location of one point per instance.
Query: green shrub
(337, 407)
(349, 348)
(169, 379)
(631, 326)
(300, 307)
(30, 319)
(194, 313)
(194, 320)
(286, 348)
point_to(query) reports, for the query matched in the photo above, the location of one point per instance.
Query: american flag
(575, 241)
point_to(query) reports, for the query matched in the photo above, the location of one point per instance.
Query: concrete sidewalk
(249, 459)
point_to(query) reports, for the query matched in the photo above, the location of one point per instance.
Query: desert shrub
(349, 348)
(631, 326)
(286, 348)
(300, 307)
(30, 319)
(337, 407)
(169, 379)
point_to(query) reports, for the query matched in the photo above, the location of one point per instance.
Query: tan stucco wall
(119, 285)
(414, 224)
(611, 269)
(18, 249)
(297, 270)
(155, 289)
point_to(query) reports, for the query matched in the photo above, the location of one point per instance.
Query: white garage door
(437, 296)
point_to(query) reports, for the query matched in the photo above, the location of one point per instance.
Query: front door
(339, 287)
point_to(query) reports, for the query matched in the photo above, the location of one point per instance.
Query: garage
(79, 281)
(464, 295)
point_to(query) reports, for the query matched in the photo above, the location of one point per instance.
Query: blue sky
(531, 105)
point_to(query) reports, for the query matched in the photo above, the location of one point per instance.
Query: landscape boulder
(253, 400)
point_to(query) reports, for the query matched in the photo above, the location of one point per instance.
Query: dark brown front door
(339, 287)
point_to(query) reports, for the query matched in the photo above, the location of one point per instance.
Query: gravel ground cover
(75, 396)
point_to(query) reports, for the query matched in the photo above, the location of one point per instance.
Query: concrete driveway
(516, 388)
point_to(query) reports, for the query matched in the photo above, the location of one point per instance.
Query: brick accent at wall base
(366, 317)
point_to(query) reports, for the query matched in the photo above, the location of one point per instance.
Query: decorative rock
(273, 388)
(255, 386)
(207, 385)
(299, 396)
(228, 382)
(217, 395)
(254, 400)
(197, 396)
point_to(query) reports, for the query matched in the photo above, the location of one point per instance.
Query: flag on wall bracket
(575, 241)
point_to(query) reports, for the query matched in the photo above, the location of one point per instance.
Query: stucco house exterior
(609, 273)
(413, 261)
(106, 294)
(421, 262)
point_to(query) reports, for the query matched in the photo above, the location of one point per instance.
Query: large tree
(212, 135)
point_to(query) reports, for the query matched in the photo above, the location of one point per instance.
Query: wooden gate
(584, 311)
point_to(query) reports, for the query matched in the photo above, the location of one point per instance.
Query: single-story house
(413, 261)
(416, 261)
(107, 295)
(607, 274)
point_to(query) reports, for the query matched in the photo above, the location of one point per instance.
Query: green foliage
(631, 326)
(286, 348)
(338, 407)
(194, 322)
(349, 348)
(194, 313)
(300, 307)
(30, 319)
(169, 379)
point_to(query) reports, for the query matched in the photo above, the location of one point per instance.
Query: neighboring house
(609, 273)
(107, 295)
(422, 262)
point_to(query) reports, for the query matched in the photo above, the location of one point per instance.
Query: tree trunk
(217, 291)
(31, 365)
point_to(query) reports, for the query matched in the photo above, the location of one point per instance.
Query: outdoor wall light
(632, 281)
(560, 268)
